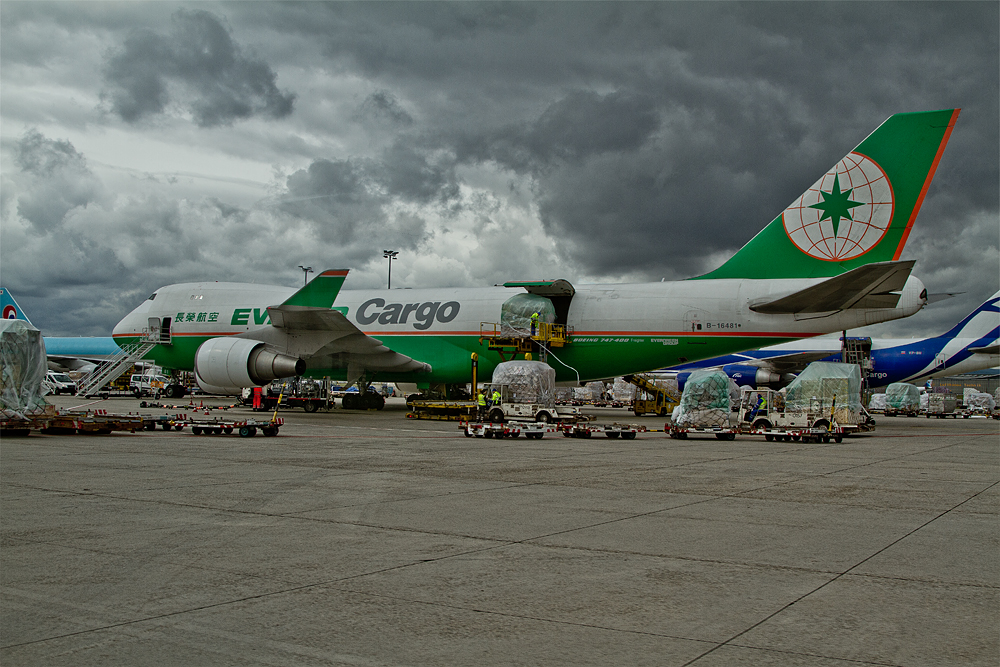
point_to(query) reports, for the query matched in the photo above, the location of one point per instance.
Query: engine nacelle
(227, 365)
(742, 375)
(750, 376)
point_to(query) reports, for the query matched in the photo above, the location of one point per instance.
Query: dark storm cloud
(383, 106)
(54, 178)
(351, 202)
(196, 65)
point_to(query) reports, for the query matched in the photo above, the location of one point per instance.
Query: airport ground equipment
(310, 395)
(506, 429)
(59, 422)
(765, 412)
(902, 399)
(650, 397)
(706, 406)
(587, 430)
(245, 428)
(117, 365)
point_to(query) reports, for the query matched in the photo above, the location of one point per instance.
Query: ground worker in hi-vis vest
(481, 401)
(534, 323)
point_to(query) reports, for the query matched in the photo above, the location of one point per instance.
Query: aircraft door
(154, 328)
(165, 330)
(693, 320)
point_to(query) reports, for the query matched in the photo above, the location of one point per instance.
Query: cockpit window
(151, 296)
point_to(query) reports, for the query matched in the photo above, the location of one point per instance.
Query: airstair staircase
(114, 367)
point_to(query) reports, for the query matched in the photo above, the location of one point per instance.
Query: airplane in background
(828, 262)
(971, 345)
(65, 354)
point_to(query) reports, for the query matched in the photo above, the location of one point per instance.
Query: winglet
(321, 292)
(11, 311)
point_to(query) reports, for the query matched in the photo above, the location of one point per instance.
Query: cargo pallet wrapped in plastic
(707, 400)
(877, 403)
(527, 382)
(902, 396)
(979, 402)
(22, 370)
(622, 391)
(823, 383)
(516, 312)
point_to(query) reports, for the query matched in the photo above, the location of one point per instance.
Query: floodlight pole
(306, 270)
(390, 255)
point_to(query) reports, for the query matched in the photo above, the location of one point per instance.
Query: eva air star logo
(844, 214)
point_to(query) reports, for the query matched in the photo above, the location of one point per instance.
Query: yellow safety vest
(496, 397)
(482, 400)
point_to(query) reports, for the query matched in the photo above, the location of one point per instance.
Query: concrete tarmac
(367, 539)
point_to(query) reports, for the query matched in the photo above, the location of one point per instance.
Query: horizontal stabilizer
(934, 298)
(988, 349)
(868, 286)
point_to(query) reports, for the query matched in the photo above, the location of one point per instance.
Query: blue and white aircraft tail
(971, 345)
(11, 311)
(64, 354)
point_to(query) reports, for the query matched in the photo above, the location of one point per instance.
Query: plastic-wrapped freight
(877, 404)
(516, 312)
(979, 401)
(823, 382)
(924, 401)
(902, 396)
(591, 392)
(622, 391)
(564, 394)
(707, 400)
(22, 369)
(527, 382)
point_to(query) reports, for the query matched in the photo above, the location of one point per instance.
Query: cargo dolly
(245, 428)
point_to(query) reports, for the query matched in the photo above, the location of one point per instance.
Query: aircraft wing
(309, 332)
(868, 286)
(793, 362)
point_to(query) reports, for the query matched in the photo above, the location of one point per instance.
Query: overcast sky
(143, 144)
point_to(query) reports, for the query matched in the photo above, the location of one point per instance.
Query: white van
(60, 383)
(147, 385)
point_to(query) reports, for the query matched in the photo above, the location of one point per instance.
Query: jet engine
(227, 365)
(742, 375)
(750, 376)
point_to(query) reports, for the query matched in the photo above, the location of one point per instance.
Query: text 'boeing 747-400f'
(828, 262)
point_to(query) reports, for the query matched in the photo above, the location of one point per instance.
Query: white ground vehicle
(60, 383)
(762, 412)
(147, 385)
(510, 408)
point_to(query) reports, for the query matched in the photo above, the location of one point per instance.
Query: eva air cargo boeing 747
(828, 262)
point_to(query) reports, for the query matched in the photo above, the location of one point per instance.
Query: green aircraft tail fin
(321, 291)
(859, 212)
